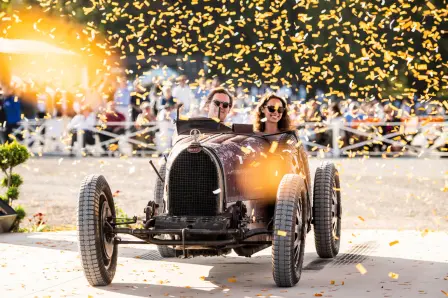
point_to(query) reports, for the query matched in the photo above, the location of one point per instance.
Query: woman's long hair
(285, 122)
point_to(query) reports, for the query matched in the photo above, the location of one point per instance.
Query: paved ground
(48, 265)
(386, 193)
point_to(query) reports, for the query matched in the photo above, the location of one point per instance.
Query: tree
(12, 155)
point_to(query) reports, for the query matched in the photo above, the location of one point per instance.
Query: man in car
(218, 103)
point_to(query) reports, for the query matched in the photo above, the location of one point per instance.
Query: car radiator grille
(193, 178)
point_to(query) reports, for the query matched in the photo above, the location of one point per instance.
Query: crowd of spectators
(116, 106)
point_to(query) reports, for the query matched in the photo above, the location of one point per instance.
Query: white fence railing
(411, 138)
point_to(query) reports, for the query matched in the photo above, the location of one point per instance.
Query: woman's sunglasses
(225, 105)
(272, 109)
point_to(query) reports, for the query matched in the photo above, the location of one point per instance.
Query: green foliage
(12, 193)
(121, 215)
(20, 216)
(16, 180)
(20, 212)
(4, 198)
(12, 155)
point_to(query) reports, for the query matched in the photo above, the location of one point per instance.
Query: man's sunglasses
(225, 105)
(272, 109)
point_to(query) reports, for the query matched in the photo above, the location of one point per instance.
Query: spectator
(13, 112)
(166, 127)
(183, 94)
(122, 97)
(167, 97)
(85, 121)
(111, 115)
(201, 91)
(137, 97)
(146, 116)
(353, 113)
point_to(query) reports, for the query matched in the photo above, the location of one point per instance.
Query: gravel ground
(377, 193)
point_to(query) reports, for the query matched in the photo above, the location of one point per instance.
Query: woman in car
(271, 115)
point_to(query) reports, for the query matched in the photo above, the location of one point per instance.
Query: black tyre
(288, 245)
(164, 251)
(327, 210)
(97, 245)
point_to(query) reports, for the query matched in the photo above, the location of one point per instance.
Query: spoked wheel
(327, 211)
(97, 245)
(288, 246)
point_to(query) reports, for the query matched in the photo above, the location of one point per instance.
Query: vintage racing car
(220, 188)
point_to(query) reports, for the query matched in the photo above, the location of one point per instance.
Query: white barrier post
(335, 140)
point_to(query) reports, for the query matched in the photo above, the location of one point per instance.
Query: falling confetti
(231, 279)
(274, 146)
(217, 191)
(361, 268)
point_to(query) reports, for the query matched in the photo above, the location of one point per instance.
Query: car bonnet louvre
(193, 179)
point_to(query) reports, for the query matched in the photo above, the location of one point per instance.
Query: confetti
(246, 150)
(113, 147)
(361, 268)
(231, 279)
(281, 233)
(217, 191)
(446, 294)
(274, 146)
(393, 275)
(361, 218)
(393, 243)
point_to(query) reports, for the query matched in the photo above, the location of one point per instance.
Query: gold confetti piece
(393, 243)
(332, 282)
(342, 283)
(430, 5)
(245, 150)
(274, 146)
(113, 147)
(183, 117)
(318, 295)
(216, 119)
(231, 279)
(282, 233)
(361, 218)
(202, 277)
(361, 268)
(393, 275)
(446, 294)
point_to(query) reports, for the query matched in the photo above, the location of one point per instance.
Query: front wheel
(327, 211)
(288, 245)
(97, 245)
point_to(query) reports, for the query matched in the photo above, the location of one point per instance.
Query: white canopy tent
(35, 47)
(24, 46)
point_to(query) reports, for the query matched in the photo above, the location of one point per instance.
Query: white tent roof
(23, 46)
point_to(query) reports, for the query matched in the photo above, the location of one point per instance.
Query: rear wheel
(97, 245)
(164, 251)
(288, 245)
(327, 211)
